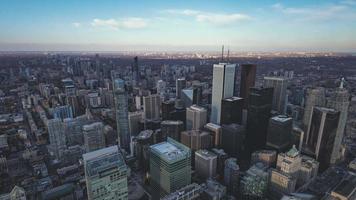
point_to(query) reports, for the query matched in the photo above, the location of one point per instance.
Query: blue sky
(243, 25)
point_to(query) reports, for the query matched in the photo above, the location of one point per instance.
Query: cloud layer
(127, 23)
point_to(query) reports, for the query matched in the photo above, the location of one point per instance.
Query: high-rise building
(172, 129)
(167, 107)
(151, 107)
(279, 133)
(221, 157)
(62, 112)
(279, 85)
(248, 77)
(57, 138)
(191, 96)
(135, 72)
(144, 141)
(232, 140)
(134, 121)
(215, 131)
(94, 138)
(314, 97)
(189, 192)
(231, 110)
(161, 88)
(340, 102)
(180, 85)
(105, 174)
(196, 139)
(267, 157)
(231, 175)
(121, 111)
(213, 190)
(308, 170)
(223, 87)
(320, 137)
(170, 167)
(196, 117)
(254, 183)
(205, 163)
(259, 113)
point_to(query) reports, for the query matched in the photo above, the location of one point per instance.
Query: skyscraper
(231, 110)
(196, 117)
(192, 95)
(151, 107)
(321, 134)
(196, 139)
(223, 87)
(170, 167)
(314, 97)
(62, 112)
(232, 140)
(172, 129)
(135, 72)
(205, 163)
(105, 174)
(121, 110)
(57, 137)
(279, 134)
(340, 102)
(94, 138)
(259, 113)
(231, 175)
(279, 85)
(215, 131)
(248, 76)
(180, 85)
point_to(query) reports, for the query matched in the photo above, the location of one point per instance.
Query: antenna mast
(228, 54)
(222, 53)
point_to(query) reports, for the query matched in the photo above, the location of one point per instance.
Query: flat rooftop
(169, 151)
(100, 152)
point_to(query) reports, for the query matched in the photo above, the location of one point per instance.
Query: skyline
(152, 26)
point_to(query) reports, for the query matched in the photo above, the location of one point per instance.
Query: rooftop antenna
(222, 53)
(342, 83)
(228, 54)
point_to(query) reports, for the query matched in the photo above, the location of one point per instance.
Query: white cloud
(76, 24)
(126, 23)
(326, 12)
(209, 17)
(349, 2)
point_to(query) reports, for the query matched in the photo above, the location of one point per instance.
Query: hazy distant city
(177, 100)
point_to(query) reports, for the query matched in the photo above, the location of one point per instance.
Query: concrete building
(190, 192)
(172, 129)
(308, 170)
(196, 117)
(279, 85)
(94, 138)
(267, 157)
(223, 87)
(196, 139)
(57, 138)
(105, 174)
(170, 167)
(205, 164)
(215, 131)
(134, 121)
(231, 175)
(151, 107)
(254, 183)
(213, 190)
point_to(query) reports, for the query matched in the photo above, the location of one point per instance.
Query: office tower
(259, 113)
(135, 72)
(180, 85)
(170, 167)
(172, 129)
(314, 97)
(284, 177)
(205, 164)
(320, 137)
(196, 139)
(221, 157)
(134, 121)
(255, 182)
(248, 76)
(279, 85)
(231, 110)
(231, 175)
(57, 138)
(215, 131)
(69, 88)
(267, 157)
(62, 112)
(223, 87)
(308, 170)
(232, 140)
(94, 138)
(161, 88)
(196, 117)
(151, 107)
(213, 190)
(167, 107)
(297, 137)
(192, 95)
(121, 111)
(340, 102)
(279, 133)
(144, 141)
(105, 174)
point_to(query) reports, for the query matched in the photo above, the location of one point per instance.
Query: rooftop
(281, 118)
(170, 150)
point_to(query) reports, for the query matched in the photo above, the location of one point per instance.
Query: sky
(151, 25)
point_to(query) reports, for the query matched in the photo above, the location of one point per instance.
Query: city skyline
(178, 26)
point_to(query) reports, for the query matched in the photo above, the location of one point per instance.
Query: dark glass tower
(258, 115)
(248, 76)
(279, 133)
(231, 110)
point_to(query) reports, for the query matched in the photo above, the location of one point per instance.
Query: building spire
(342, 83)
